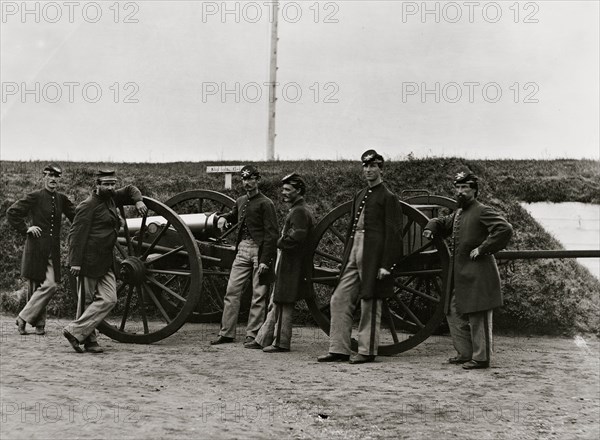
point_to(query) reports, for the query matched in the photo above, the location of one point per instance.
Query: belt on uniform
(360, 230)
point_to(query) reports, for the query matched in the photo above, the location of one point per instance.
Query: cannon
(174, 264)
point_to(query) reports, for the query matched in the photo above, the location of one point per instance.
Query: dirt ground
(538, 387)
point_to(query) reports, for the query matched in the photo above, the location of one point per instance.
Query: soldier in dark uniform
(372, 249)
(255, 257)
(476, 232)
(91, 242)
(293, 269)
(41, 256)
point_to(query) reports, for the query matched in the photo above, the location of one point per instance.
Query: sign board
(228, 170)
(225, 169)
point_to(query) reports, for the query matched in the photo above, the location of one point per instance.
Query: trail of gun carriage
(174, 263)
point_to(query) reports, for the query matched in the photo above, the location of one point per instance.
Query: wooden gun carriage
(175, 263)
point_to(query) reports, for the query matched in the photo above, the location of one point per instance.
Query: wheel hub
(133, 270)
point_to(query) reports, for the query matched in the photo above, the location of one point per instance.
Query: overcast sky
(511, 80)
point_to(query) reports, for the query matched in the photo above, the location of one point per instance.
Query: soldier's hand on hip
(262, 267)
(474, 253)
(36, 231)
(382, 273)
(75, 270)
(427, 234)
(141, 207)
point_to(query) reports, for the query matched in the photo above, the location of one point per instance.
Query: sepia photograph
(310, 219)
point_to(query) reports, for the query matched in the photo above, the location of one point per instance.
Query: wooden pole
(273, 82)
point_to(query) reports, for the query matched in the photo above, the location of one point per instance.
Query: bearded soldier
(476, 232)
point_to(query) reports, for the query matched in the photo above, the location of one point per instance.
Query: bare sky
(184, 80)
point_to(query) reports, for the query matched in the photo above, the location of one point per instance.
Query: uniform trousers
(343, 304)
(34, 311)
(244, 266)
(277, 328)
(471, 333)
(100, 298)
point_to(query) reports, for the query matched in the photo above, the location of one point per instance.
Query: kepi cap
(249, 171)
(296, 181)
(371, 156)
(53, 168)
(106, 176)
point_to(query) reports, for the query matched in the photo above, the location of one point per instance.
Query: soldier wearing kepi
(476, 232)
(91, 242)
(372, 249)
(293, 269)
(255, 257)
(41, 256)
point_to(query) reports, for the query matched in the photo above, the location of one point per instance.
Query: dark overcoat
(37, 206)
(382, 242)
(258, 213)
(476, 283)
(294, 268)
(94, 231)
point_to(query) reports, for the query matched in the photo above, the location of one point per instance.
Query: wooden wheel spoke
(156, 302)
(165, 288)
(160, 257)
(409, 289)
(410, 313)
(338, 234)
(390, 320)
(328, 256)
(127, 305)
(170, 272)
(142, 306)
(155, 241)
(407, 227)
(214, 294)
(121, 250)
(126, 231)
(200, 205)
(140, 237)
(416, 252)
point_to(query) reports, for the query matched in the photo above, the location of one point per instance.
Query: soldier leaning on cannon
(476, 232)
(293, 269)
(372, 248)
(41, 256)
(255, 257)
(91, 241)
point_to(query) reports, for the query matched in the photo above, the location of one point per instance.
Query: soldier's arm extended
(130, 195)
(295, 236)
(68, 208)
(440, 227)
(19, 211)
(500, 231)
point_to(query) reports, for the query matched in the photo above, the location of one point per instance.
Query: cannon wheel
(416, 309)
(214, 283)
(154, 269)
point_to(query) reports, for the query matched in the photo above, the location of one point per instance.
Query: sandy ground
(182, 387)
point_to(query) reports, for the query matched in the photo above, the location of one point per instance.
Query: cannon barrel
(203, 224)
(538, 254)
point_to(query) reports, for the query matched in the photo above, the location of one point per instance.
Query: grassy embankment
(540, 295)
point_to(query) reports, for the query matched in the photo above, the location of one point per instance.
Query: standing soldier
(255, 257)
(41, 256)
(293, 269)
(372, 249)
(91, 242)
(476, 232)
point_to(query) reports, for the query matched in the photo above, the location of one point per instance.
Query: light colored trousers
(471, 333)
(343, 303)
(244, 266)
(34, 311)
(100, 298)
(277, 328)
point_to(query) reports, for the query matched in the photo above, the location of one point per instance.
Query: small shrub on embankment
(542, 296)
